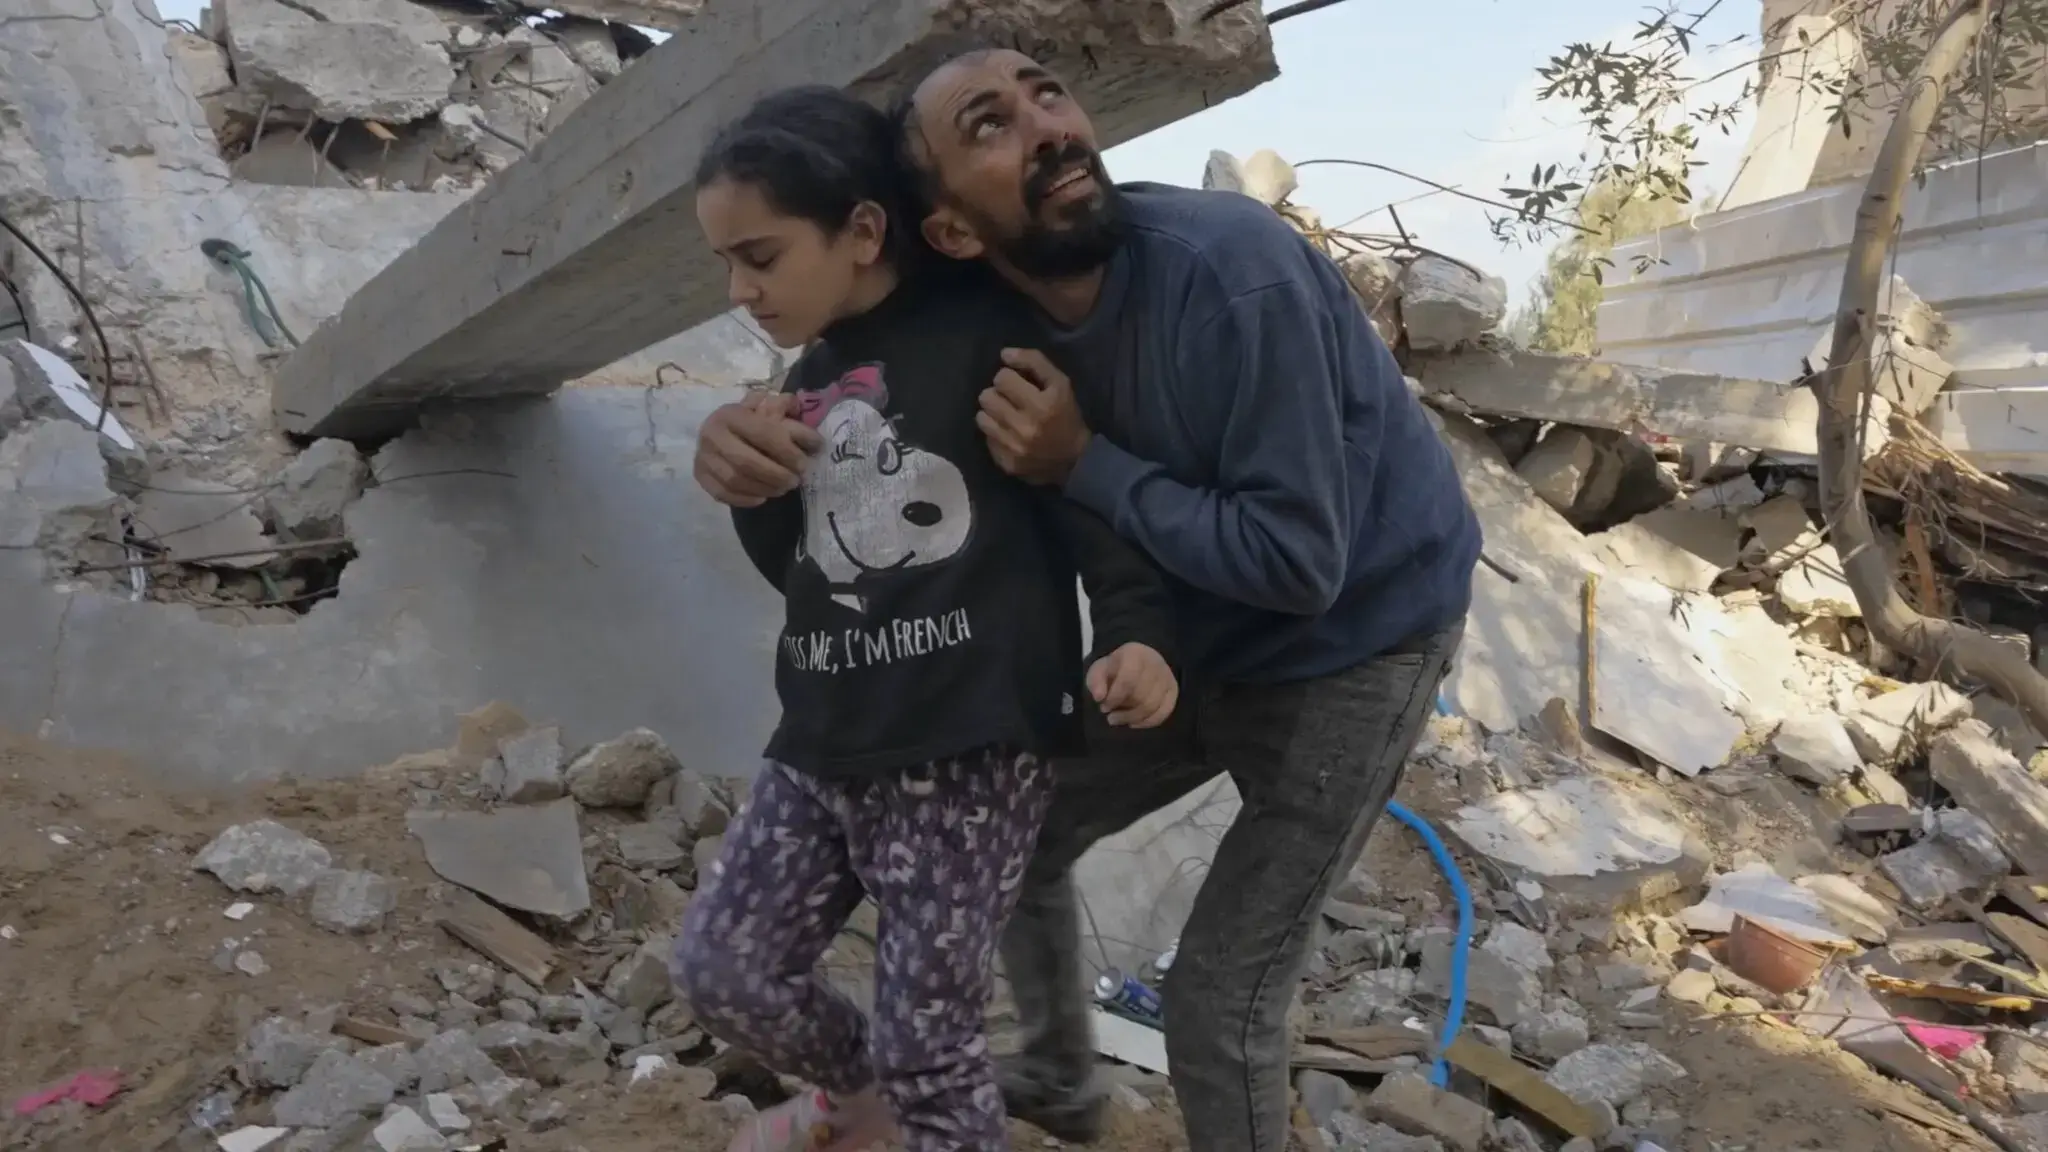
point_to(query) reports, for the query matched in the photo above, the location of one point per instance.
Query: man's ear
(868, 227)
(951, 236)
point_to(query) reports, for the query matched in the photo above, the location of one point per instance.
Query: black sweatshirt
(931, 598)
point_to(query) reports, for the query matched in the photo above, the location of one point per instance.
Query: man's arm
(1275, 530)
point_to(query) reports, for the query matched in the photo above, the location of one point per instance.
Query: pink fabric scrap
(1947, 1043)
(92, 1088)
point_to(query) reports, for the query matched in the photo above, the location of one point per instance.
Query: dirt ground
(117, 955)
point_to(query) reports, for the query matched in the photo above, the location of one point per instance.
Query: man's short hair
(924, 62)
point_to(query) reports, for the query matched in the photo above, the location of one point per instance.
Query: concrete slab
(586, 250)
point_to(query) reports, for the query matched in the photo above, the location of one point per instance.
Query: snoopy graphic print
(874, 504)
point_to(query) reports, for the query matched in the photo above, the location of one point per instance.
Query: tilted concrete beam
(587, 249)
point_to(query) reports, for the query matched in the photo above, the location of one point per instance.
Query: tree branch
(1843, 388)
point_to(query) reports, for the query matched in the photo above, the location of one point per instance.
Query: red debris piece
(93, 1088)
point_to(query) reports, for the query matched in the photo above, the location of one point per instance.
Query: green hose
(237, 259)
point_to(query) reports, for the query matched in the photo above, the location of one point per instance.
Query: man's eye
(987, 126)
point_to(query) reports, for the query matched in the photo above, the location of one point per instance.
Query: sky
(1441, 88)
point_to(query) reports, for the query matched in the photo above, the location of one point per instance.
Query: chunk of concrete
(1579, 826)
(620, 773)
(641, 982)
(352, 901)
(1445, 304)
(337, 70)
(1267, 178)
(528, 767)
(454, 1059)
(1992, 784)
(1932, 872)
(1759, 894)
(336, 1090)
(1376, 281)
(525, 856)
(1815, 748)
(285, 157)
(1557, 467)
(571, 260)
(648, 846)
(265, 856)
(1613, 1074)
(1890, 727)
(404, 1130)
(1684, 549)
(1552, 1035)
(1654, 687)
(279, 1052)
(309, 497)
(1781, 534)
(1501, 986)
(1814, 585)
(1408, 1102)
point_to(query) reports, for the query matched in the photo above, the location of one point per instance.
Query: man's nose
(1043, 131)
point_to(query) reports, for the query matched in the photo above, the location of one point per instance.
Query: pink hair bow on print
(862, 383)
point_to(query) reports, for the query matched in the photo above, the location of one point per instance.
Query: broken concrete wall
(555, 555)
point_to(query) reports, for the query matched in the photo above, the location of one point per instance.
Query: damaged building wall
(1749, 292)
(105, 137)
(555, 555)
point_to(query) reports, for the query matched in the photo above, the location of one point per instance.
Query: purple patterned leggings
(942, 849)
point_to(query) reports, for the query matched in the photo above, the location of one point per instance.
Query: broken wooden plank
(1521, 1083)
(465, 916)
(2030, 938)
(1325, 1059)
(1374, 1041)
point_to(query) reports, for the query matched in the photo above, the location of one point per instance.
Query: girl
(930, 662)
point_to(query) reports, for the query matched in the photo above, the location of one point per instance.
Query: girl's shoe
(812, 1122)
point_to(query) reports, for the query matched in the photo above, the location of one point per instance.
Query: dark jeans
(1315, 763)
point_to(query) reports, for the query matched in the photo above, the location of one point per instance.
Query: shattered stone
(279, 1052)
(1781, 533)
(641, 982)
(403, 1130)
(1354, 1134)
(1814, 586)
(191, 517)
(1890, 727)
(404, 1002)
(394, 1062)
(1815, 748)
(265, 856)
(445, 1113)
(1408, 1102)
(1986, 779)
(527, 768)
(546, 1116)
(648, 846)
(1974, 840)
(1552, 1035)
(533, 1053)
(1558, 466)
(310, 496)
(620, 773)
(1445, 304)
(1323, 1095)
(1501, 986)
(1511, 1135)
(525, 856)
(591, 44)
(1930, 873)
(695, 804)
(1613, 1074)
(452, 1060)
(337, 1088)
(337, 71)
(1223, 173)
(352, 901)
(1691, 987)
(1376, 281)
(1369, 997)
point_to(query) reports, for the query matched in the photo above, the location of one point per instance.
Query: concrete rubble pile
(393, 94)
(563, 877)
(1687, 790)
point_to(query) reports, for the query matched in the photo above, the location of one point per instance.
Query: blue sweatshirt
(1255, 437)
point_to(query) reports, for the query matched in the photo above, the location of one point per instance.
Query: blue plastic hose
(1461, 948)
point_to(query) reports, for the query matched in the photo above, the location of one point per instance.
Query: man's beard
(1088, 233)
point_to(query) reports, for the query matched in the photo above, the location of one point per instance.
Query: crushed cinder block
(1408, 1102)
(1445, 304)
(1992, 784)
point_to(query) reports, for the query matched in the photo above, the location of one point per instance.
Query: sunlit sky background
(1444, 89)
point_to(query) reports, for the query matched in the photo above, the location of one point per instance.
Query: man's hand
(750, 452)
(1032, 423)
(1134, 687)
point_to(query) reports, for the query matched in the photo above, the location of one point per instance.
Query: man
(1240, 420)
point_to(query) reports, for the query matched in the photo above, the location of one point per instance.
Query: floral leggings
(942, 848)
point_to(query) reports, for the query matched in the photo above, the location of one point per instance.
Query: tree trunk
(1940, 644)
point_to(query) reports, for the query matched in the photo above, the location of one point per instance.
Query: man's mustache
(1038, 185)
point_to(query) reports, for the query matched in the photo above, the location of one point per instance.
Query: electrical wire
(1303, 7)
(84, 305)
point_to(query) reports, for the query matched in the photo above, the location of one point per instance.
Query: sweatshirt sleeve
(1127, 598)
(1273, 531)
(769, 533)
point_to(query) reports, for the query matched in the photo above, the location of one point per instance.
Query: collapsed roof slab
(587, 249)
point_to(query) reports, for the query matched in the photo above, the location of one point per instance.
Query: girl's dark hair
(816, 153)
